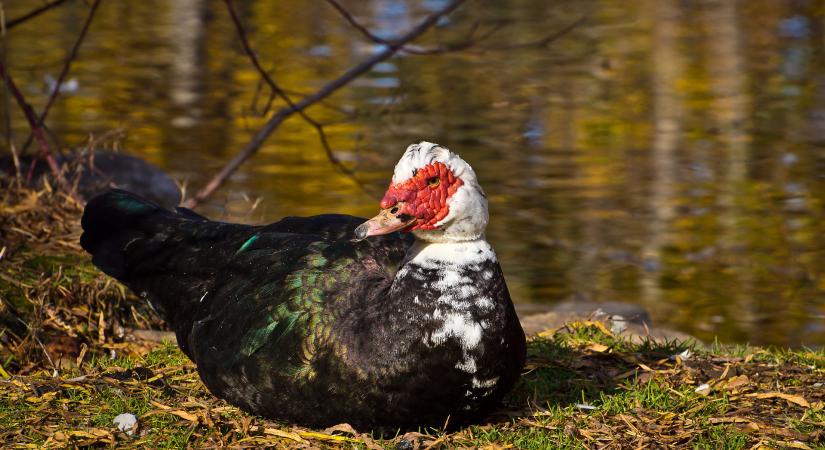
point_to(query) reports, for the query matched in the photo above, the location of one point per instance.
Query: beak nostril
(394, 210)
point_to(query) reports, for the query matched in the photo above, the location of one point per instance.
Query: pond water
(669, 153)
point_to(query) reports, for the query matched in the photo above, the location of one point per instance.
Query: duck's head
(434, 194)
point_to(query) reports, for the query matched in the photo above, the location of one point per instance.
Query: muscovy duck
(299, 321)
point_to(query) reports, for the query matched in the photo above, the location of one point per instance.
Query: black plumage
(296, 321)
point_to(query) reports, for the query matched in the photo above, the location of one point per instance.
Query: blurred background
(668, 153)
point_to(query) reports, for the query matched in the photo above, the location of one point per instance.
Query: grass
(71, 364)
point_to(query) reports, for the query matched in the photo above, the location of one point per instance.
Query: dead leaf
(548, 333)
(48, 396)
(324, 437)
(177, 412)
(586, 434)
(371, 444)
(285, 435)
(84, 437)
(341, 428)
(740, 420)
(159, 405)
(184, 415)
(794, 444)
(598, 348)
(593, 323)
(795, 399)
(735, 382)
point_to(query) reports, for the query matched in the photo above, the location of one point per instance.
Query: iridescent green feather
(307, 290)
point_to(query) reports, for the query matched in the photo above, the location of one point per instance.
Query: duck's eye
(434, 181)
(415, 172)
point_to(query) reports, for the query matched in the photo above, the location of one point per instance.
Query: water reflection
(669, 153)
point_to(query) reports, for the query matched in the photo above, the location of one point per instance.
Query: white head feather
(468, 214)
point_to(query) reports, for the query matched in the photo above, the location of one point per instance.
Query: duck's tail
(112, 221)
(154, 251)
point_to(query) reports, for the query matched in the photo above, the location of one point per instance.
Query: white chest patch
(438, 254)
(454, 271)
(458, 299)
(460, 326)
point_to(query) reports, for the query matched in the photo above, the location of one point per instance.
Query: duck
(396, 322)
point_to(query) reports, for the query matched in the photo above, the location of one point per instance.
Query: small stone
(127, 423)
(684, 356)
(617, 324)
(403, 444)
(703, 389)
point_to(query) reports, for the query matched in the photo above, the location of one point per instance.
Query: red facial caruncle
(424, 196)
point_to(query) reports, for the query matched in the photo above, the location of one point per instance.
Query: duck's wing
(273, 306)
(230, 289)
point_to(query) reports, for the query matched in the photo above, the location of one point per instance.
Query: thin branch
(410, 49)
(65, 71)
(468, 42)
(253, 57)
(37, 131)
(33, 13)
(256, 109)
(547, 40)
(354, 72)
(357, 25)
(256, 97)
(6, 101)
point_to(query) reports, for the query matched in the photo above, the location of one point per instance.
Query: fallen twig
(252, 147)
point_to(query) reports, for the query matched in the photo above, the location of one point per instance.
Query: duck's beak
(387, 221)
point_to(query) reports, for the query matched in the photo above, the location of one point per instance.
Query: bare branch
(354, 72)
(547, 40)
(405, 49)
(280, 93)
(355, 24)
(467, 43)
(33, 13)
(257, 110)
(470, 41)
(65, 71)
(6, 101)
(37, 131)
